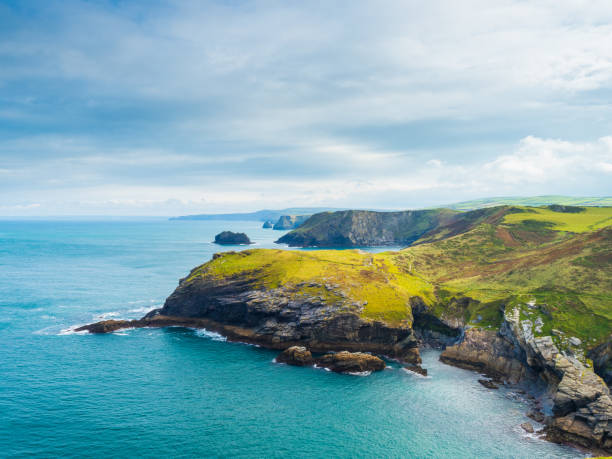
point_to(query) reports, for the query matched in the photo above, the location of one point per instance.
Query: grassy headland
(553, 263)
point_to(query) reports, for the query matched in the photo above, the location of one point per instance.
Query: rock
(602, 360)
(231, 238)
(289, 222)
(106, 326)
(575, 341)
(354, 228)
(487, 352)
(268, 224)
(488, 384)
(536, 415)
(538, 324)
(527, 427)
(556, 332)
(296, 355)
(417, 369)
(351, 362)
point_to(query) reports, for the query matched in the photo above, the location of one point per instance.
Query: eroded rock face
(276, 318)
(351, 362)
(487, 352)
(602, 360)
(296, 355)
(580, 400)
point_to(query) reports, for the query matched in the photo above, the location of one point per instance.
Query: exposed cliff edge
(363, 228)
(577, 401)
(244, 307)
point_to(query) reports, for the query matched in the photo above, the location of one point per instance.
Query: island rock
(296, 355)
(351, 362)
(231, 238)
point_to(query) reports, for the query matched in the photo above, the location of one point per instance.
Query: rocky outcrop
(231, 238)
(340, 362)
(276, 318)
(289, 222)
(365, 228)
(268, 224)
(351, 362)
(362, 228)
(602, 360)
(296, 355)
(579, 404)
(487, 352)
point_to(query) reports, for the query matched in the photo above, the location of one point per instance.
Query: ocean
(179, 392)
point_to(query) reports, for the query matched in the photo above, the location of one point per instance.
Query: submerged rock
(489, 384)
(527, 427)
(417, 369)
(536, 415)
(296, 355)
(231, 238)
(351, 362)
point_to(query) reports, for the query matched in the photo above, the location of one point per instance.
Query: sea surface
(179, 392)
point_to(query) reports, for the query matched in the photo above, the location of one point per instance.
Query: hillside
(554, 264)
(355, 228)
(531, 201)
(559, 261)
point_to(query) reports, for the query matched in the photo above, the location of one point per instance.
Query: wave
(202, 332)
(72, 330)
(359, 373)
(408, 370)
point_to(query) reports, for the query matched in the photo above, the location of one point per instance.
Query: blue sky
(167, 108)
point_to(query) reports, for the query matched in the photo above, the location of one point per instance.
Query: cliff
(577, 404)
(289, 222)
(362, 228)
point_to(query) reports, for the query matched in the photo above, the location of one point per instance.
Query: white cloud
(196, 106)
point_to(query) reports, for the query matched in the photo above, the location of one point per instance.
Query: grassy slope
(527, 256)
(362, 277)
(506, 256)
(532, 201)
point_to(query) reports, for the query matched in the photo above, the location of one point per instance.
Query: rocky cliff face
(580, 408)
(366, 228)
(282, 317)
(602, 360)
(275, 318)
(289, 222)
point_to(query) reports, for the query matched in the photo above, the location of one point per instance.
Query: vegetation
(553, 264)
(532, 201)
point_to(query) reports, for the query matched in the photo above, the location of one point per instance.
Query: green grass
(532, 201)
(590, 219)
(381, 288)
(562, 260)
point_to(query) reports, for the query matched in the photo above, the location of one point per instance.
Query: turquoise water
(184, 393)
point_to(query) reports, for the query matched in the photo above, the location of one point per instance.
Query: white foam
(202, 332)
(408, 370)
(72, 330)
(107, 315)
(359, 373)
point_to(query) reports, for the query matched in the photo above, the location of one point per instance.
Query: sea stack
(231, 238)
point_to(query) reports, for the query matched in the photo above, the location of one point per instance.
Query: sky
(172, 108)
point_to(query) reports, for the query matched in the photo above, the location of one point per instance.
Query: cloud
(171, 106)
